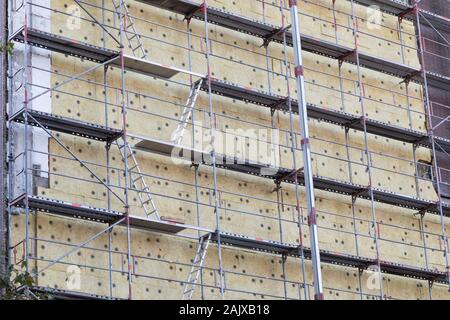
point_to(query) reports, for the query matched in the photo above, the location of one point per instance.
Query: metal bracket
(409, 77)
(342, 58)
(279, 103)
(402, 15)
(269, 38)
(360, 192)
(288, 175)
(201, 8)
(349, 125)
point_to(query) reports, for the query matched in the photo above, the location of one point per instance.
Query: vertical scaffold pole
(432, 138)
(4, 243)
(26, 155)
(293, 151)
(375, 227)
(122, 31)
(309, 184)
(213, 147)
(195, 165)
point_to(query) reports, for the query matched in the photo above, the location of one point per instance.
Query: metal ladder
(197, 266)
(134, 38)
(138, 182)
(177, 136)
(136, 177)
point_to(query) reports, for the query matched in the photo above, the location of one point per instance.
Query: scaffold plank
(69, 126)
(83, 212)
(93, 53)
(281, 174)
(59, 294)
(265, 99)
(63, 45)
(346, 260)
(59, 44)
(255, 244)
(311, 44)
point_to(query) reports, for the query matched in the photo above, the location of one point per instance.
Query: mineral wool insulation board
(161, 262)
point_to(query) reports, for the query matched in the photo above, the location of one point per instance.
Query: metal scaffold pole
(213, 127)
(10, 139)
(431, 133)
(375, 226)
(196, 166)
(4, 219)
(27, 92)
(306, 151)
(294, 156)
(122, 31)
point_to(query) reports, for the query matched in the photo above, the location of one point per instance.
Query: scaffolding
(130, 180)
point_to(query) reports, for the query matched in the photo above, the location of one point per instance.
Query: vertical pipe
(196, 166)
(293, 149)
(360, 272)
(355, 230)
(367, 151)
(213, 148)
(122, 29)
(431, 135)
(269, 83)
(341, 88)
(416, 172)
(108, 178)
(104, 24)
(11, 135)
(283, 261)
(4, 221)
(336, 34)
(308, 172)
(424, 242)
(26, 79)
(400, 36)
(107, 155)
(408, 104)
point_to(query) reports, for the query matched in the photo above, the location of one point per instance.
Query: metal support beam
(308, 173)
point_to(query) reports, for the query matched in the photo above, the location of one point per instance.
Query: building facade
(155, 149)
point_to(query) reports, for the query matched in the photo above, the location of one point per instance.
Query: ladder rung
(147, 201)
(138, 178)
(134, 36)
(145, 189)
(194, 271)
(145, 192)
(154, 209)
